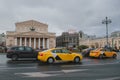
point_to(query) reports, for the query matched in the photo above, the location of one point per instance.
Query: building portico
(32, 42)
(36, 36)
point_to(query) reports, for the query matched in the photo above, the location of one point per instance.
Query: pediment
(32, 22)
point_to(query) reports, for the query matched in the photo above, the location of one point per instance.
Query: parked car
(17, 52)
(86, 52)
(103, 52)
(59, 54)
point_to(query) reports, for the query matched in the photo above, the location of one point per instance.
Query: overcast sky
(62, 15)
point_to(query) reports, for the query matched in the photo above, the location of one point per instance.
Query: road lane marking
(48, 73)
(35, 74)
(74, 70)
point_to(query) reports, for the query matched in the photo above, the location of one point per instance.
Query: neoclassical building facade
(101, 42)
(31, 33)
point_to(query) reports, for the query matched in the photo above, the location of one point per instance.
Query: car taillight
(41, 54)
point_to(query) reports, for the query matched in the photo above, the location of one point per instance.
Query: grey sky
(61, 15)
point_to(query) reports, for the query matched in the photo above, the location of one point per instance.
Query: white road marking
(113, 78)
(74, 70)
(36, 74)
(48, 73)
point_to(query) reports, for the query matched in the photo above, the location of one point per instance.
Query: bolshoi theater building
(31, 33)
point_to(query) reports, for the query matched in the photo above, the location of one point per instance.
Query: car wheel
(14, 57)
(114, 56)
(50, 60)
(76, 60)
(100, 56)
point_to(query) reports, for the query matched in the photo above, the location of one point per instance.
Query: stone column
(43, 43)
(117, 43)
(30, 42)
(25, 42)
(34, 43)
(39, 43)
(15, 41)
(20, 41)
(47, 43)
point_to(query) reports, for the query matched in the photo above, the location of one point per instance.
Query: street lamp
(106, 21)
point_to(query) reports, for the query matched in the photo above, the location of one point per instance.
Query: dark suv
(21, 52)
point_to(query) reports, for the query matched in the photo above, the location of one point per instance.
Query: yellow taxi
(103, 52)
(58, 55)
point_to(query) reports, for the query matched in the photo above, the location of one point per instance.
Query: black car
(86, 52)
(17, 52)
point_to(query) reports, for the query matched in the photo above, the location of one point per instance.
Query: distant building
(2, 39)
(115, 34)
(83, 37)
(67, 40)
(31, 33)
(101, 42)
(114, 41)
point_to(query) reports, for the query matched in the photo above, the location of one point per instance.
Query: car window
(20, 48)
(13, 48)
(65, 51)
(56, 51)
(53, 51)
(28, 49)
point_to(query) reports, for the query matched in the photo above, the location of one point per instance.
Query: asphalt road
(88, 69)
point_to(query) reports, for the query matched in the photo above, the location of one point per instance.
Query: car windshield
(12, 48)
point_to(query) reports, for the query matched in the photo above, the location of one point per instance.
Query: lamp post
(106, 21)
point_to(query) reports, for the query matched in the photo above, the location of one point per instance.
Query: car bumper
(40, 58)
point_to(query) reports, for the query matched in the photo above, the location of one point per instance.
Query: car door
(56, 53)
(29, 52)
(65, 55)
(21, 51)
(108, 53)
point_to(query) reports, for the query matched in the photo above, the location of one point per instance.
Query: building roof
(30, 21)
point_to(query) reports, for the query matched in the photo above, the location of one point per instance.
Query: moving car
(17, 52)
(86, 52)
(58, 55)
(103, 52)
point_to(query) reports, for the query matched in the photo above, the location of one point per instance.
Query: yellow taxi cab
(103, 52)
(59, 54)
